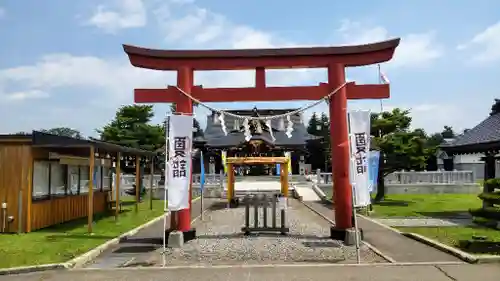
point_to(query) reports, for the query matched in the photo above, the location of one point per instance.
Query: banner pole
(356, 228)
(353, 200)
(202, 185)
(165, 186)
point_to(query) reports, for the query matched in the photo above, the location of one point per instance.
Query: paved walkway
(305, 190)
(140, 245)
(396, 246)
(271, 273)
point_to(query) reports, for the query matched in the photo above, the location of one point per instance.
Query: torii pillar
(335, 59)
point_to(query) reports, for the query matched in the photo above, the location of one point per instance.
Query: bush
(492, 197)
(492, 184)
(488, 213)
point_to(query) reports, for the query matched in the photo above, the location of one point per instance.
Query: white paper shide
(359, 135)
(179, 161)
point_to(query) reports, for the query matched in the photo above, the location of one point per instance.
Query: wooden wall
(58, 210)
(15, 181)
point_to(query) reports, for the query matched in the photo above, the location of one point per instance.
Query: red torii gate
(335, 59)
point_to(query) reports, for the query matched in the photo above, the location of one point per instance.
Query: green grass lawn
(437, 206)
(65, 241)
(453, 235)
(418, 205)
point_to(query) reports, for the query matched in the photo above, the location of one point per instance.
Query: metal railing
(128, 180)
(414, 177)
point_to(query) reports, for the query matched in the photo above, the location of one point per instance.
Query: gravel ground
(220, 241)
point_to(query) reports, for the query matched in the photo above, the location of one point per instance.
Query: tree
(312, 126)
(315, 147)
(495, 108)
(63, 131)
(21, 134)
(132, 127)
(448, 132)
(325, 143)
(197, 132)
(400, 147)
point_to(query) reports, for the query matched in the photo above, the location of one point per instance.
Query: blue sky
(62, 64)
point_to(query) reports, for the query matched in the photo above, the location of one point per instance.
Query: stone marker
(175, 239)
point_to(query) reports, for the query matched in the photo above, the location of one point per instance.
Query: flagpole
(380, 82)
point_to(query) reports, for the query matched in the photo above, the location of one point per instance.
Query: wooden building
(483, 139)
(46, 179)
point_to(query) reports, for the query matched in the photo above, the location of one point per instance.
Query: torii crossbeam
(335, 59)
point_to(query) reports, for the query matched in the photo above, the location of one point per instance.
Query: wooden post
(90, 215)
(282, 178)
(29, 194)
(137, 182)
(151, 174)
(117, 185)
(285, 179)
(230, 183)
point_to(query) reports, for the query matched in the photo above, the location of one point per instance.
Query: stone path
(424, 222)
(141, 245)
(380, 272)
(396, 246)
(221, 242)
(307, 193)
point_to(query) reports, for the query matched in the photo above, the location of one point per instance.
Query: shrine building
(263, 142)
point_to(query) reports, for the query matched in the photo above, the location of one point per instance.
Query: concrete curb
(440, 246)
(271, 265)
(370, 246)
(319, 192)
(86, 257)
(470, 258)
(33, 268)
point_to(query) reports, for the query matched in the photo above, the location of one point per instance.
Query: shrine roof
(275, 52)
(482, 138)
(46, 140)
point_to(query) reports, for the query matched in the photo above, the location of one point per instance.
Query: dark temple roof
(214, 136)
(482, 138)
(41, 139)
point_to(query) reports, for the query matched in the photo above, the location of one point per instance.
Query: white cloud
(183, 24)
(415, 50)
(196, 26)
(124, 14)
(431, 117)
(485, 45)
(26, 95)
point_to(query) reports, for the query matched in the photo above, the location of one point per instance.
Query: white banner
(178, 173)
(359, 135)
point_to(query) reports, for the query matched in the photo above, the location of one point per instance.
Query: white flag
(384, 78)
(179, 161)
(359, 134)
